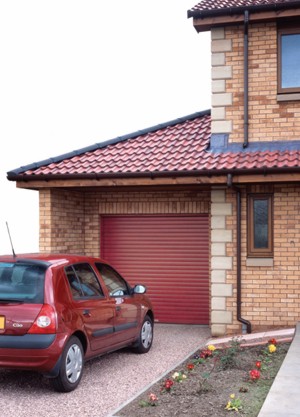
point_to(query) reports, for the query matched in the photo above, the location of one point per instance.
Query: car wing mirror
(139, 289)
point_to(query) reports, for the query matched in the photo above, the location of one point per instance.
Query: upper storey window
(289, 60)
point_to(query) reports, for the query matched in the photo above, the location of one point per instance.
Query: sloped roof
(219, 7)
(183, 147)
(171, 146)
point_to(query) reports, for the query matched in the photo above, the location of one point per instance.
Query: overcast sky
(74, 73)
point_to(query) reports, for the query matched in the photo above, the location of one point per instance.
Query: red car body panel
(103, 323)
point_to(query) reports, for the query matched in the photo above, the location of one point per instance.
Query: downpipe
(246, 79)
(246, 323)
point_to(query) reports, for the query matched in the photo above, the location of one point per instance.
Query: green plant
(228, 357)
(197, 360)
(204, 383)
(234, 404)
(269, 350)
(204, 380)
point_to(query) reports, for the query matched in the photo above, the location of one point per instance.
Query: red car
(56, 311)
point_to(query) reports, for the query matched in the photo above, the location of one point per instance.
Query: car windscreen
(22, 283)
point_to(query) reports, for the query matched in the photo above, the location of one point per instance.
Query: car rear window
(22, 282)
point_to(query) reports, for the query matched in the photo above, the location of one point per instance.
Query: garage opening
(170, 255)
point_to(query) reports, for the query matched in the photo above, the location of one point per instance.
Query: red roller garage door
(169, 255)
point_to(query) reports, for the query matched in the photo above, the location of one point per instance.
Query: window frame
(291, 30)
(260, 252)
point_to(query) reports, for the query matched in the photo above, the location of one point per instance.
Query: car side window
(115, 284)
(83, 281)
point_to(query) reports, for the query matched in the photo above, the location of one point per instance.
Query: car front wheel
(71, 367)
(144, 342)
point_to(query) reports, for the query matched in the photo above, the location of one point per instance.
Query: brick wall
(269, 119)
(70, 222)
(62, 221)
(270, 294)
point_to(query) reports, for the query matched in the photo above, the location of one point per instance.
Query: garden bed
(213, 383)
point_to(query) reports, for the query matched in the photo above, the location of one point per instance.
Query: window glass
(74, 282)
(22, 282)
(115, 284)
(290, 61)
(83, 281)
(260, 223)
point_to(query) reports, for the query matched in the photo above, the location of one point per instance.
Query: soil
(207, 388)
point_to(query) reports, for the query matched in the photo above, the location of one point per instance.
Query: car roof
(49, 258)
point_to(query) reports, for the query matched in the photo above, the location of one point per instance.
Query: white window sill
(259, 262)
(288, 97)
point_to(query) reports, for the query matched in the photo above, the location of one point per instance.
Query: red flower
(258, 364)
(205, 353)
(168, 384)
(190, 366)
(254, 374)
(273, 342)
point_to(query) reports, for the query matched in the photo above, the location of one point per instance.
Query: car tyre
(71, 367)
(145, 339)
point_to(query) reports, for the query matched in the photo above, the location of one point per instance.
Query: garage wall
(69, 220)
(61, 221)
(138, 202)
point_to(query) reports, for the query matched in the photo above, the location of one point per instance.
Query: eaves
(227, 11)
(145, 179)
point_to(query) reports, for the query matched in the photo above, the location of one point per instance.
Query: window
(23, 282)
(289, 60)
(83, 281)
(115, 284)
(260, 225)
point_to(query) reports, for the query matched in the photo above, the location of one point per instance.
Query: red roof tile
(207, 6)
(181, 146)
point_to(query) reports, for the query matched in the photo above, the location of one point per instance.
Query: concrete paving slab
(283, 333)
(283, 399)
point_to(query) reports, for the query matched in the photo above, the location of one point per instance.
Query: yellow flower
(175, 375)
(228, 405)
(232, 396)
(184, 376)
(272, 348)
(211, 348)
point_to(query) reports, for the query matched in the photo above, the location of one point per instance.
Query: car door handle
(86, 313)
(118, 308)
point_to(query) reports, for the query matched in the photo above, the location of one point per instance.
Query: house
(203, 209)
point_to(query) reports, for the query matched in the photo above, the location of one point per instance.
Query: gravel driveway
(107, 382)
